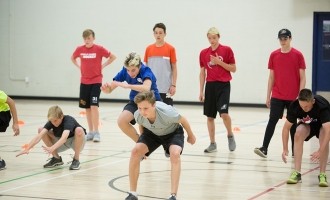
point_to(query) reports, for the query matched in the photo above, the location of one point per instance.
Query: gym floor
(104, 166)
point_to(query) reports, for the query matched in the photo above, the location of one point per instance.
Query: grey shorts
(69, 144)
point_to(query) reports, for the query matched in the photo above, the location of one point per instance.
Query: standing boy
(160, 124)
(313, 115)
(7, 111)
(91, 67)
(216, 64)
(60, 133)
(286, 78)
(161, 58)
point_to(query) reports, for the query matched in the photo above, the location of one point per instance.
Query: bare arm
(59, 143)
(35, 140)
(13, 111)
(174, 78)
(202, 75)
(111, 58)
(191, 137)
(270, 87)
(302, 79)
(285, 138)
(75, 62)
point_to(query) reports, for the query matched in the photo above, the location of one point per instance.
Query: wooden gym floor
(104, 166)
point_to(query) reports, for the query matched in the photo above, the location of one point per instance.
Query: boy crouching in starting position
(159, 124)
(60, 133)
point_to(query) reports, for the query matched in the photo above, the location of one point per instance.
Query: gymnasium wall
(38, 37)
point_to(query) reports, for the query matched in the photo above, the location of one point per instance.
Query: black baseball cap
(284, 33)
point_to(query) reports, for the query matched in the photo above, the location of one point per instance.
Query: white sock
(134, 193)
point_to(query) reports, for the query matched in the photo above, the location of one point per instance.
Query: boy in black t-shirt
(313, 116)
(60, 133)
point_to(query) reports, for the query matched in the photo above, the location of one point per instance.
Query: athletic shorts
(89, 95)
(168, 101)
(153, 141)
(314, 130)
(69, 144)
(5, 118)
(217, 95)
(132, 107)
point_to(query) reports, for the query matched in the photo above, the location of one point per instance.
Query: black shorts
(217, 95)
(5, 118)
(131, 107)
(89, 95)
(314, 130)
(168, 101)
(153, 141)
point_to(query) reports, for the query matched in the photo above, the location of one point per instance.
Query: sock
(134, 193)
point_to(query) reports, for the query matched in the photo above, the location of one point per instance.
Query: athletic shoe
(54, 162)
(323, 180)
(294, 178)
(262, 152)
(211, 148)
(131, 197)
(172, 197)
(231, 143)
(2, 164)
(97, 137)
(90, 136)
(75, 165)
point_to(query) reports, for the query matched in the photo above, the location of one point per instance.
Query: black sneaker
(262, 152)
(131, 197)
(2, 164)
(75, 165)
(54, 162)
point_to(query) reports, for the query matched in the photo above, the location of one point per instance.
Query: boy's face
(213, 39)
(89, 41)
(132, 71)
(285, 42)
(146, 109)
(159, 34)
(306, 105)
(57, 121)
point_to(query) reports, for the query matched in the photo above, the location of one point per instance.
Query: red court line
(278, 185)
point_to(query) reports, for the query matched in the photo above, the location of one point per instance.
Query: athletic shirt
(216, 72)
(286, 68)
(144, 73)
(320, 112)
(167, 119)
(3, 99)
(159, 59)
(91, 62)
(68, 123)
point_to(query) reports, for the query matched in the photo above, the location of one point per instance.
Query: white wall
(37, 38)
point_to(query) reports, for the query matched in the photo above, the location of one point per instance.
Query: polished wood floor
(104, 166)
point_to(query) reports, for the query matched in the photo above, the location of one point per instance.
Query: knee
(175, 156)
(79, 132)
(225, 116)
(40, 129)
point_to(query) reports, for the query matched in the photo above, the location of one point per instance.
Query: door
(321, 54)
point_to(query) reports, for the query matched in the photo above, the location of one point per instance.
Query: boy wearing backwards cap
(286, 78)
(216, 64)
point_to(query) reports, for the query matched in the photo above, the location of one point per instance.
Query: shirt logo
(307, 120)
(88, 55)
(139, 80)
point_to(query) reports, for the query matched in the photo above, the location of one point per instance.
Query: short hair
(54, 112)
(87, 33)
(160, 25)
(133, 59)
(305, 95)
(145, 96)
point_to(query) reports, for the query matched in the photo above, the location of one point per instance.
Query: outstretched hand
(25, 150)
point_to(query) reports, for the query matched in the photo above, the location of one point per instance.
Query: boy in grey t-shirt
(159, 124)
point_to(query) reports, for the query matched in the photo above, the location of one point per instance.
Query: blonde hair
(54, 112)
(133, 59)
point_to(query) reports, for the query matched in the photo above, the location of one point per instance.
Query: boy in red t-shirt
(90, 56)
